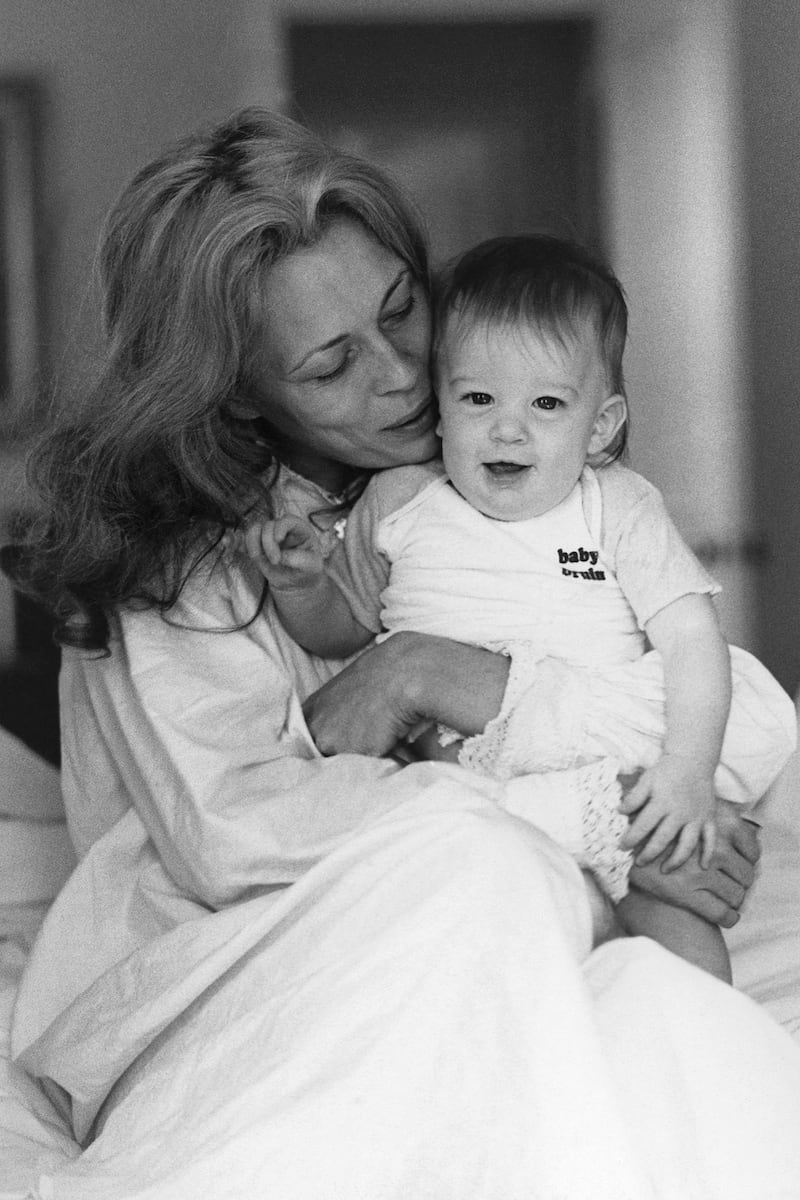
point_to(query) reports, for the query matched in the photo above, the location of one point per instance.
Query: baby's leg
(683, 932)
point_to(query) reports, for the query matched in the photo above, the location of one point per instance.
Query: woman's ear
(611, 416)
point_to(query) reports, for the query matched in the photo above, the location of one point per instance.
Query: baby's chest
(544, 580)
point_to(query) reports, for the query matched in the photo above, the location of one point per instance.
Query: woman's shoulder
(221, 590)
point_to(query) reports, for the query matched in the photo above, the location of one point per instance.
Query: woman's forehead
(327, 291)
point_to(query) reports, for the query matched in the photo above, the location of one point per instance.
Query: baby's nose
(508, 428)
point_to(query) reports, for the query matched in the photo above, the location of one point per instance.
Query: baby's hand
(674, 802)
(287, 552)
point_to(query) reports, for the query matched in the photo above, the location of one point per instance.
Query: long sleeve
(201, 731)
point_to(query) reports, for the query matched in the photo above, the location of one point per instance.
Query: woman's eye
(334, 374)
(479, 399)
(547, 403)
(401, 312)
(339, 369)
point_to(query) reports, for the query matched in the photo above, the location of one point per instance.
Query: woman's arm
(375, 701)
(411, 677)
(202, 732)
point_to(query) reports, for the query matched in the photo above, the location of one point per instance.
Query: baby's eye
(547, 403)
(479, 399)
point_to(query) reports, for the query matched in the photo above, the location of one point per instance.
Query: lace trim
(447, 736)
(486, 752)
(604, 826)
(493, 753)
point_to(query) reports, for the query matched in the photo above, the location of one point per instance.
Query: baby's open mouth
(505, 468)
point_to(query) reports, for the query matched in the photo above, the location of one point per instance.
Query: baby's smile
(505, 469)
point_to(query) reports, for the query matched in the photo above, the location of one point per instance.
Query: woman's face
(343, 374)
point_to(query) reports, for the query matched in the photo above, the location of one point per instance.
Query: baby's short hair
(550, 284)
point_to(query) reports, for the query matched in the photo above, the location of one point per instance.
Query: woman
(421, 1013)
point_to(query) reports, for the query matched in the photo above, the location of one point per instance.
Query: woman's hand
(373, 703)
(718, 891)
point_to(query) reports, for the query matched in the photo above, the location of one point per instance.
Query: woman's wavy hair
(138, 482)
(545, 283)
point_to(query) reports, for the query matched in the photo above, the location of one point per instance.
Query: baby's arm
(311, 607)
(675, 797)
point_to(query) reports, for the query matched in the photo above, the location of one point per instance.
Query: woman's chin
(418, 448)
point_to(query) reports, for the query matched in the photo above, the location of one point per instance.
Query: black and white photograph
(399, 561)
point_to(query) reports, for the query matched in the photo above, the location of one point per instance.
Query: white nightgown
(274, 974)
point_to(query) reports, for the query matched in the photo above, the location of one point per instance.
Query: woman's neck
(333, 477)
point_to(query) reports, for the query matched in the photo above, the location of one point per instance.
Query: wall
(125, 78)
(769, 56)
(667, 94)
(121, 79)
(675, 205)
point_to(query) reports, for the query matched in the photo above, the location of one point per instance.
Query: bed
(36, 858)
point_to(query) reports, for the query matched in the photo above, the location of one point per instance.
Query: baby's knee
(684, 933)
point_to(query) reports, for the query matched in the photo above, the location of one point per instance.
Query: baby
(529, 537)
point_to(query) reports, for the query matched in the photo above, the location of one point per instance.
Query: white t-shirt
(580, 582)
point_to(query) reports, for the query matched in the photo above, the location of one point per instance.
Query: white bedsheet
(33, 1138)
(35, 857)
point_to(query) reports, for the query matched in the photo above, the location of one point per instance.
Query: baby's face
(519, 413)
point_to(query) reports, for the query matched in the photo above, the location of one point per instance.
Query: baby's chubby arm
(311, 607)
(674, 799)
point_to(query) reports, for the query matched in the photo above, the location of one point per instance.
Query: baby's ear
(611, 416)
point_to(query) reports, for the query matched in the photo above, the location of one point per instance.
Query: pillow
(781, 805)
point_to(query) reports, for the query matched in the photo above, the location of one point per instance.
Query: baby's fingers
(708, 843)
(289, 533)
(641, 828)
(636, 798)
(660, 839)
(685, 845)
(260, 542)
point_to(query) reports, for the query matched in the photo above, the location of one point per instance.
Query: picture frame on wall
(20, 296)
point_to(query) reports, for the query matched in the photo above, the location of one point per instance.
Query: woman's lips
(419, 417)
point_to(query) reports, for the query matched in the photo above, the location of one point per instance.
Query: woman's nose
(398, 366)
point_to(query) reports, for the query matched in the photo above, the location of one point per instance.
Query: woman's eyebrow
(403, 274)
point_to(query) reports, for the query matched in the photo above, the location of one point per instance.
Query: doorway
(492, 126)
